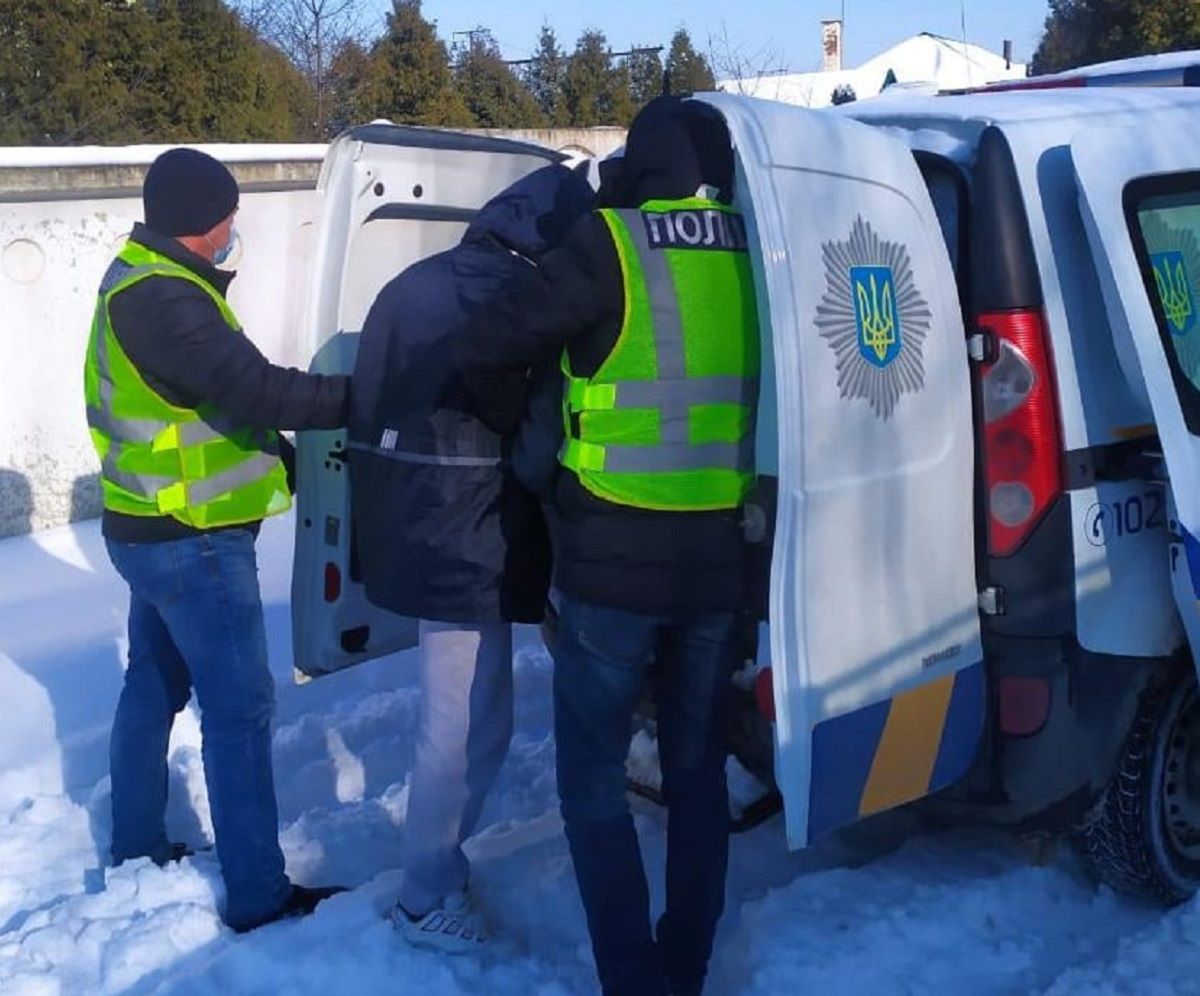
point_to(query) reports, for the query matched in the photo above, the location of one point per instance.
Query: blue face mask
(226, 250)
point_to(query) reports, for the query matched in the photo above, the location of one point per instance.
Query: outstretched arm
(572, 290)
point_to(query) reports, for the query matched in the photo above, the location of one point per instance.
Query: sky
(766, 34)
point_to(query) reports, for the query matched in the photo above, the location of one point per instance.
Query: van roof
(951, 125)
(1013, 107)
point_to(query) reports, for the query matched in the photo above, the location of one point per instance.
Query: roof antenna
(962, 13)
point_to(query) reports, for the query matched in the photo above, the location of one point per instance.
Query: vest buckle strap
(578, 455)
(171, 499)
(583, 396)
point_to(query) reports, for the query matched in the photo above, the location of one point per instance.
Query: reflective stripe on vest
(662, 384)
(221, 474)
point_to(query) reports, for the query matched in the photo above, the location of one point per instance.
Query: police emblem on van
(873, 290)
(873, 318)
(1174, 291)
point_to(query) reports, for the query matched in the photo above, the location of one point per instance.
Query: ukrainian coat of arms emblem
(1175, 266)
(873, 318)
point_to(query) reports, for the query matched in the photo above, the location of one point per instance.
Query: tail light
(764, 694)
(333, 582)
(1023, 705)
(1022, 449)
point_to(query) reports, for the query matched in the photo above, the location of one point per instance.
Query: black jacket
(174, 334)
(442, 528)
(642, 561)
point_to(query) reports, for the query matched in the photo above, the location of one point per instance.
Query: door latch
(991, 601)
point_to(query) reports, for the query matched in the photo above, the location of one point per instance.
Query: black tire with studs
(1143, 838)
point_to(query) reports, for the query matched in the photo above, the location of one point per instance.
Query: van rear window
(1164, 213)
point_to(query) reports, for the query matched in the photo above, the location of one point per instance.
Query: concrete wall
(63, 213)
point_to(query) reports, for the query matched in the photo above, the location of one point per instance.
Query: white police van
(982, 321)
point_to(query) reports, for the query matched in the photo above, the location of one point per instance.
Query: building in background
(943, 63)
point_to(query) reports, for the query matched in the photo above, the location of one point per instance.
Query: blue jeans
(601, 660)
(195, 620)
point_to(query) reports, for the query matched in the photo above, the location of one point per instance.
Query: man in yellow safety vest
(650, 304)
(184, 412)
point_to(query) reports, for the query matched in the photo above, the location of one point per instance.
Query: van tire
(1129, 842)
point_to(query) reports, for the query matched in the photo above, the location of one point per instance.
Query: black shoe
(175, 854)
(301, 901)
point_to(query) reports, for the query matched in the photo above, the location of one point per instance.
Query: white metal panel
(873, 588)
(1106, 162)
(390, 197)
(1123, 597)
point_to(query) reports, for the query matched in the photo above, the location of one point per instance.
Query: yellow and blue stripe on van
(895, 751)
(1191, 548)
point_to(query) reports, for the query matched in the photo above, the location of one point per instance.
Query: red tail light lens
(333, 582)
(1024, 705)
(1022, 448)
(764, 694)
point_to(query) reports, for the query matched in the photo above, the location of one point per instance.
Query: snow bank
(873, 911)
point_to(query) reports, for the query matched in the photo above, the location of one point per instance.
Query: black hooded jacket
(442, 528)
(673, 563)
(174, 334)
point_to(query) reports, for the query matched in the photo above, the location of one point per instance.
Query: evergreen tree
(645, 77)
(545, 76)
(594, 91)
(59, 80)
(411, 81)
(212, 79)
(494, 96)
(1079, 32)
(352, 98)
(843, 94)
(154, 71)
(687, 69)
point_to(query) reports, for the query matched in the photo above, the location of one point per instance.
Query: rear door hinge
(991, 601)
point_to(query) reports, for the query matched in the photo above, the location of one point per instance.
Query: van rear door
(1140, 195)
(391, 196)
(874, 629)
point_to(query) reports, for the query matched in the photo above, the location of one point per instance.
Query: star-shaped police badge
(873, 318)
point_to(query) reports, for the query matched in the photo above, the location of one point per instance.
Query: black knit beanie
(187, 192)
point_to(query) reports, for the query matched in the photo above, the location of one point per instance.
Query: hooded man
(446, 534)
(649, 305)
(183, 411)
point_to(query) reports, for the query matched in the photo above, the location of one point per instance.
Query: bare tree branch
(733, 62)
(308, 32)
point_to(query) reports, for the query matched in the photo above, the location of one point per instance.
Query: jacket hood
(674, 147)
(535, 213)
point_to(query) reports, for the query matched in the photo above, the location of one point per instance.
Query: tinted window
(1170, 228)
(1164, 218)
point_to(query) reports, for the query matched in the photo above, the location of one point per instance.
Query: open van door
(390, 196)
(1140, 196)
(874, 629)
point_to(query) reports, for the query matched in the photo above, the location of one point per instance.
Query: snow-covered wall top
(143, 155)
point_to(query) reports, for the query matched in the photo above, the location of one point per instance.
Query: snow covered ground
(874, 911)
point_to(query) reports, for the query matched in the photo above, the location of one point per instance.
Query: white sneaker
(455, 927)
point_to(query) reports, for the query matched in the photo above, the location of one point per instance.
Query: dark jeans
(195, 620)
(601, 659)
